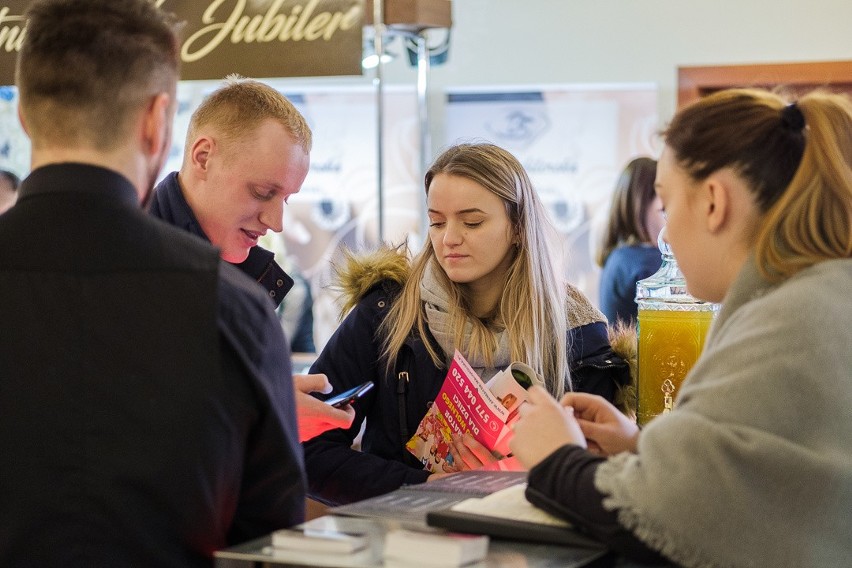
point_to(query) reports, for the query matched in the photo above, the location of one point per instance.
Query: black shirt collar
(73, 177)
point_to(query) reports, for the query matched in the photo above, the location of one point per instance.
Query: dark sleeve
(338, 474)
(563, 485)
(272, 489)
(595, 368)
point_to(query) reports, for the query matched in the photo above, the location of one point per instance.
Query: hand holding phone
(314, 415)
(350, 396)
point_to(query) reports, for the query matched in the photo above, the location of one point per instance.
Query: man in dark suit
(147, 416)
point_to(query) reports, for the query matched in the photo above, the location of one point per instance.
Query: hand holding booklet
(467, 404)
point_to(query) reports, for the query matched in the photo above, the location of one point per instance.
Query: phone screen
(350, 396)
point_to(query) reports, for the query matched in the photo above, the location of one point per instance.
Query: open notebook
(477, 502)
(411, 503)
(507, 514)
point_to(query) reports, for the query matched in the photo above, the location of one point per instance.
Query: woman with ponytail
(753, 467)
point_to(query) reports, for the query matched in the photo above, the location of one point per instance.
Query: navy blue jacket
(625, 266)
(338, 474)
(169, 204)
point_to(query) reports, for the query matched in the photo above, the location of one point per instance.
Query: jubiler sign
(255, 38)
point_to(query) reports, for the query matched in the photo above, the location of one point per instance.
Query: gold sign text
(302, 23)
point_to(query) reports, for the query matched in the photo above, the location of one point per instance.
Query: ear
(156, 124)
(22, 121)
(199, 156)
(717, 194)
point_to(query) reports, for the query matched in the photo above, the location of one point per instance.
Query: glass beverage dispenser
(672, 328)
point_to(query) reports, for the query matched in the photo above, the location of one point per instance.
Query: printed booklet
(467, 404)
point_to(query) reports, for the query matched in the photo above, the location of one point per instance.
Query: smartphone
(350, 396)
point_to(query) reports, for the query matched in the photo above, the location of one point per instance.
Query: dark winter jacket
(339, 474)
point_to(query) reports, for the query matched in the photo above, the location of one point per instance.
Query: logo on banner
(257, 38)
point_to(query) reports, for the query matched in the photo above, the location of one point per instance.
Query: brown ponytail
(797, 159)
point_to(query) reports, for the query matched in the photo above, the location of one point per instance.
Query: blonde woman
(484, 283)
(754, 465)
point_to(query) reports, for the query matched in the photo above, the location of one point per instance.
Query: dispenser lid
(666, 286)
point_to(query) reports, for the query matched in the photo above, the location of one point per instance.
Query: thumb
(312, 383)
(538, 395)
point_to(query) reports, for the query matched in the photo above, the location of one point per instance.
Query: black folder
(498, 527)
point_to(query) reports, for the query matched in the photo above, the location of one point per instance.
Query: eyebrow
(462, 212)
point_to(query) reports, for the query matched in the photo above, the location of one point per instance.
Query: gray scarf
(436, 302)
(753, 467)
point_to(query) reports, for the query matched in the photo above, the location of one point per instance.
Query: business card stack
(311, 540)
(319, 547)
(427, 549)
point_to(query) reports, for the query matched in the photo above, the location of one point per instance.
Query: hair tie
(792, 117)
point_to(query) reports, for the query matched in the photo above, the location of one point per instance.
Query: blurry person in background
(629, 250)
(9, 183)
(296, 313)
(296, 310)
(247, 151)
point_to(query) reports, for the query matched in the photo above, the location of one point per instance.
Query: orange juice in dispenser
(672, 328)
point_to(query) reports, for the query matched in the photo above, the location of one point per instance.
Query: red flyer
(466, 404)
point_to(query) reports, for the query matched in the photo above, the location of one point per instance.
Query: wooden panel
(695, 82)
(413, 15)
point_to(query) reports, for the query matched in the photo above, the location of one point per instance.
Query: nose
(453, 234)
(272, 215)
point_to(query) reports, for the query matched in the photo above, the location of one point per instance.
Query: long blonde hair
(796, 158)
(533, 305)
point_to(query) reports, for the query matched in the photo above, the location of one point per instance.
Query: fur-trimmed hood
(358, 272)
(624, 342)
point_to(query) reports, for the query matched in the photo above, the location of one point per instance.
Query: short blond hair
(236, 109)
